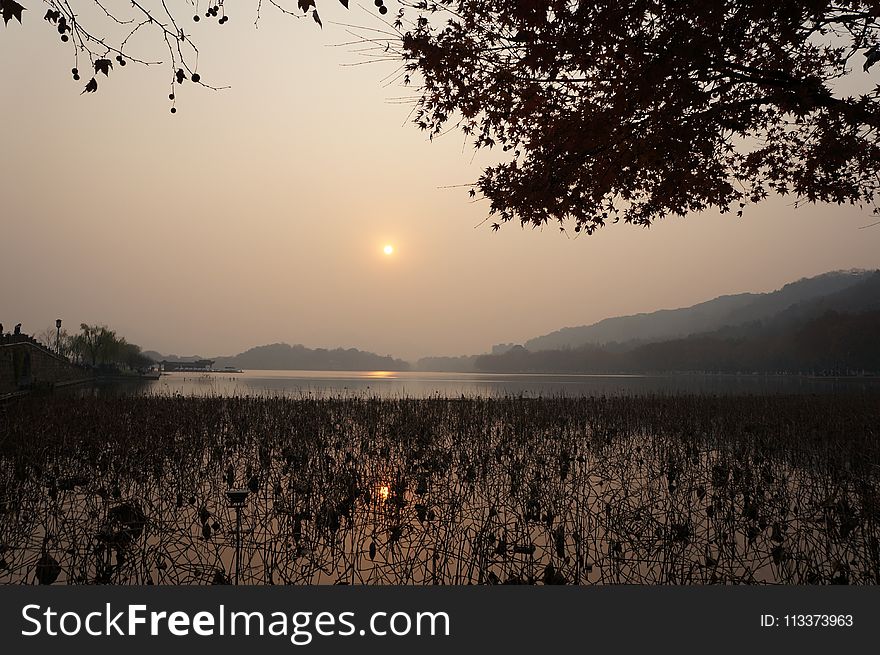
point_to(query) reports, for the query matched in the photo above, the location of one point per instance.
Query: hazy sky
(258, 214)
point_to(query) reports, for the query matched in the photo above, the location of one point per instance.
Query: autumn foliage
(641, 109)
(613, 110)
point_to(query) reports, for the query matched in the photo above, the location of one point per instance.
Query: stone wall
(25, 363)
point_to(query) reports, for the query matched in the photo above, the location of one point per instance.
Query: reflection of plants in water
(658, 490)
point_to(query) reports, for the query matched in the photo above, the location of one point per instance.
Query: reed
(360, 490)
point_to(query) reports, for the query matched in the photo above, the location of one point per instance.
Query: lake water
(426, 384)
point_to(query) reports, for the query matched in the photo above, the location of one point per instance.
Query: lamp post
(237, 498)
(58, 335)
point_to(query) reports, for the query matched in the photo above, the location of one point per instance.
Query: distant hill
(280, 356)
(704, 317)
(742, 332)
(830, 344)
(864, 296)
(860, 297)
(834, 334)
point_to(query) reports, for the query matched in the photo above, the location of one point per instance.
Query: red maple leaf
(11, 9)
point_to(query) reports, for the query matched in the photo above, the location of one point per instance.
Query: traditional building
(199, 365)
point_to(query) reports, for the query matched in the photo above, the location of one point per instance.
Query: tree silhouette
(639, 109)
(96, 343)
(610, 110)
(98, 30)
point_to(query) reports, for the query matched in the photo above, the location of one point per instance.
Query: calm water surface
(425, 384)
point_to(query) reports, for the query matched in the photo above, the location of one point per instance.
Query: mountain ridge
(835, 334)
(284, 356)
(729, 309)
(740, 316)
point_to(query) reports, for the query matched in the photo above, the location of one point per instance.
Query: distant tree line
(834, 343)
(97, 346)
(297, 357)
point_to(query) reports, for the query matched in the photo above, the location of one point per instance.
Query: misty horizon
(488, 349)
(147, 346)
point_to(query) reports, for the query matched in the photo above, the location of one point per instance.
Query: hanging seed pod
(559, 539)
(47, 569)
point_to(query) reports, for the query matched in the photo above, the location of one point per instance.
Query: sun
(388, 249)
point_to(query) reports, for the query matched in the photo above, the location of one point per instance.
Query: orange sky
(258, 214)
